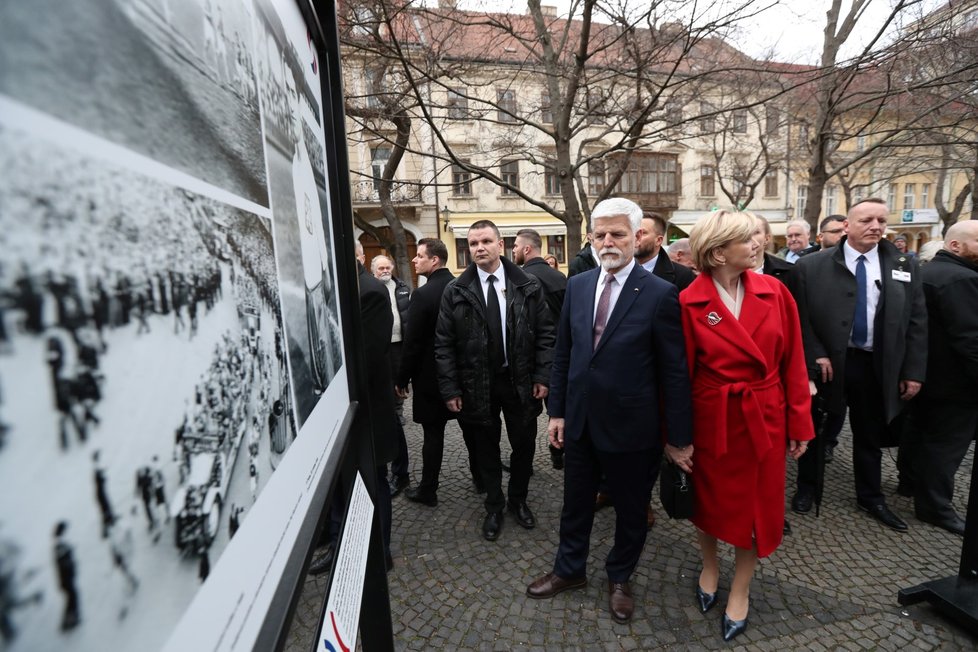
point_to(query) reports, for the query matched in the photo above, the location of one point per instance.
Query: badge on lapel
(713, 319)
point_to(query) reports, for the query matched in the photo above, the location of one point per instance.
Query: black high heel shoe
(731, 629)
(704, 600)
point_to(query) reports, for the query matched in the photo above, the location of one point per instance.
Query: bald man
(946, 414)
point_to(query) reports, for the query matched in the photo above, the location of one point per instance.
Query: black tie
(497, 357)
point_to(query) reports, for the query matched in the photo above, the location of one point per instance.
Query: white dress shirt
(873, 286)
(500, 287)
(649, 265)
(620, 276)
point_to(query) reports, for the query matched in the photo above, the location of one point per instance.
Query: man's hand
(681, 457)
(796, 449)
(909, 389)
(454, 404)
(540, 390)
(555, 431)
(402, 392)
(825, 366)
(812, 389)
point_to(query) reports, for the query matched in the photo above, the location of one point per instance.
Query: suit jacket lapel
(753, 312)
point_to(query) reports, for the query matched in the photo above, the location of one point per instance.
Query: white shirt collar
(500, 275)
(621, 275)
(872, 256)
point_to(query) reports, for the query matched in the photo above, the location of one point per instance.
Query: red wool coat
(750, 395)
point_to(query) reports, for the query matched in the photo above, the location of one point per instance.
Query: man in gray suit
(865, 339)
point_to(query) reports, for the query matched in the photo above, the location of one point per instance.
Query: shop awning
(509, 224)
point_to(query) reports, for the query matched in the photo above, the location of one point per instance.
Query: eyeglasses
(839, 230)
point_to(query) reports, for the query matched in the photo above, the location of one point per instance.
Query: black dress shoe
(524, 517)
(551, 584)
(423, 496)
(953, 523)
(883, 514)
(323, 563)
(731, 629)
(399, 483)
(786, 530)
(802, 501)
(492, 526)
(829, 453)
(704, 600)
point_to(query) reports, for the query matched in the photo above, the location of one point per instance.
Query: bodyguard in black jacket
(493, 348)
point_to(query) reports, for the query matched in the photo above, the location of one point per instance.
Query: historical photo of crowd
(300, 202)
(173, 80)
(144, 394)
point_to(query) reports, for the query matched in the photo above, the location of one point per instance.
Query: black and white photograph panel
(173, 80)
(144, 395)
(289, 79)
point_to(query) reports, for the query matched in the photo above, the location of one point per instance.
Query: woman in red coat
(751, 402)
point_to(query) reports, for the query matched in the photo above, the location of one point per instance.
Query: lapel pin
(713, 319)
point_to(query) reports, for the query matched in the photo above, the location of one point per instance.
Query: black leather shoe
(323, 563)
(704, 600)
(551, 584)
(883, 514)
(557, 459)
(953, 523)
(731, 629)
(524, 517)
(423, 496)
(801, 502)
(786, 530)
(399, 484)
(492, 526)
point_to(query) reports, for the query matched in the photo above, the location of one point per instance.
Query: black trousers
(522, 431)
(432, 451)
(945, 431)
(583, 466)
(864, 397)
(399, 467)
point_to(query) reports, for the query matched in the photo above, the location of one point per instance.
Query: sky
(789, 30)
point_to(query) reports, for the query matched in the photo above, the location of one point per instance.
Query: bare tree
(560, 112)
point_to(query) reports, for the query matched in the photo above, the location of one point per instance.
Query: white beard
(611, 258)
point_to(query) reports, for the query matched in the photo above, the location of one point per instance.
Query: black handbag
(676, 491)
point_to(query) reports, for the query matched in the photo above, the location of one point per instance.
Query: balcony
(406, 191)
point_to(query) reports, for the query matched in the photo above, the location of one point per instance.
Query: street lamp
(789, 211)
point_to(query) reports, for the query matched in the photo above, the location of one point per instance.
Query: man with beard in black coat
(945, 414)
(418, 370)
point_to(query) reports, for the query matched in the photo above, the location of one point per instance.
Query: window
(860, 143)
(508, 245)
(506, 101)
(363, 20)
(557, 247)
(461, 180)
(771, 183)
(830, 199)
(708, 186)
(891, 196)
(378, 160)
(462, 257)
(375, 87)
(551, 180)
(801, 200)
(509, 172)
(772, 118)
(458, 104)
(649, 173)
(673, 111)
(740, 121)
(595, 110)
(546, 109)
(707, 122)
(909, 192)
(596, 178)
(925, 195)
(803, 135)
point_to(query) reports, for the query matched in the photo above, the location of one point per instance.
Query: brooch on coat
(713, 319)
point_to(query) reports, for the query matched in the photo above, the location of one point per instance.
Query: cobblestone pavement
(831, 585)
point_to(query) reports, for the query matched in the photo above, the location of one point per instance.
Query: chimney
(548, 11)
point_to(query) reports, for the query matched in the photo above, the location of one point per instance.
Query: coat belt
(750, 407)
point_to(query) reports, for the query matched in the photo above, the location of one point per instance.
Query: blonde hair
(715, 230)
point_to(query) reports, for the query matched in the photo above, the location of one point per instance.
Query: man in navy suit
(619, 370)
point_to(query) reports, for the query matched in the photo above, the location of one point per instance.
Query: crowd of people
(738, 361)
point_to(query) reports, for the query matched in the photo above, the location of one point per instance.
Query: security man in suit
(864, 324)
(619, 371)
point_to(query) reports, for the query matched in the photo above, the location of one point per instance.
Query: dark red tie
(604, 303)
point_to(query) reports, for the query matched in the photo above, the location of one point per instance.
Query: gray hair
(615, 207)
(375, 261)
(805, 226)
(682, 244)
